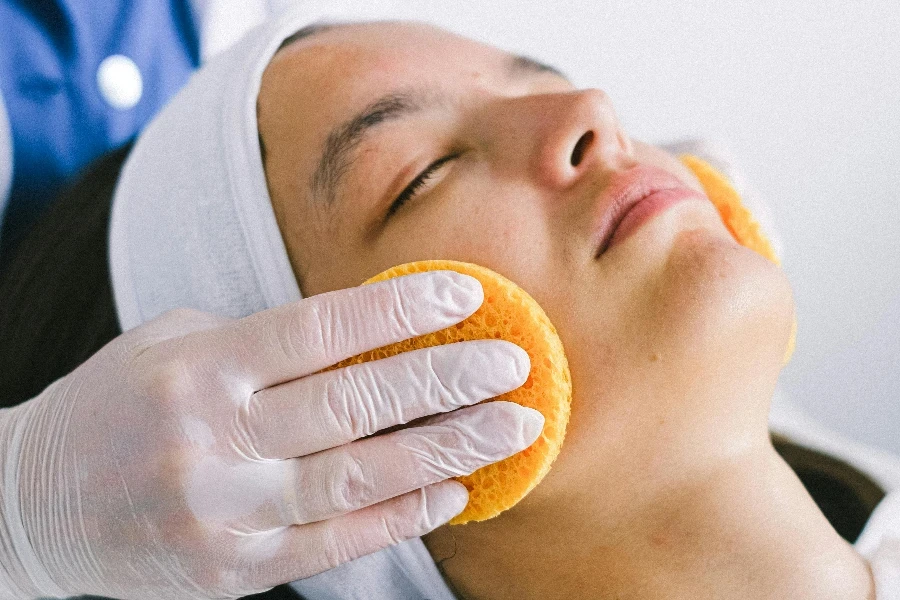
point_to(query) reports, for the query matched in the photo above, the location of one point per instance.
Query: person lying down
(668, 485)
(361, 146)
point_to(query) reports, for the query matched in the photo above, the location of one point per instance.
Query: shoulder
(861, 486)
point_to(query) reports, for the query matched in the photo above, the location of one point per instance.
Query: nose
(570, 135)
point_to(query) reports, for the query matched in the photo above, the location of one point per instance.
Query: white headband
(192, 226)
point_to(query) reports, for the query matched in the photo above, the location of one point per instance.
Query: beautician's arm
(198, 456)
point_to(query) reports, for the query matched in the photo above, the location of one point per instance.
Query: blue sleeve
(81, 78)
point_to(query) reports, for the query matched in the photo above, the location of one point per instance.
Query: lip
(632, 198)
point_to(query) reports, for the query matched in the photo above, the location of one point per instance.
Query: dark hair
(56, 304)
(305, 32)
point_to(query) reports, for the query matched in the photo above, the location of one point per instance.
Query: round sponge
(507, 313)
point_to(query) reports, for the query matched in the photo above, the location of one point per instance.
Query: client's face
(391, 143)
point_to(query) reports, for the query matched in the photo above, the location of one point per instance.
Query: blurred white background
(806, 96)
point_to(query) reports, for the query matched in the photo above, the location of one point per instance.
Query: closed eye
(417, 184)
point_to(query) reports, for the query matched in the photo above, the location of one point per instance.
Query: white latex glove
(201, 457)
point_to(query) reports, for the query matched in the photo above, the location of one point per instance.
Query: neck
(743, 528)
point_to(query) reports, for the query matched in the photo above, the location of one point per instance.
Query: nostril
(581, 147)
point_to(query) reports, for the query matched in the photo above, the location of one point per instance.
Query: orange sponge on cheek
(737, 218)
(507, 313)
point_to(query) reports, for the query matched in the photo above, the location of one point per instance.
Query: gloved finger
(308, 550)
(297, 339)
(341, 480)
(340, 406)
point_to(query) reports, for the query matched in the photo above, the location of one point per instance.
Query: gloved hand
(204, 457)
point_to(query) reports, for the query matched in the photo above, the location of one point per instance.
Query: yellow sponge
(508, 313)
(737, 219)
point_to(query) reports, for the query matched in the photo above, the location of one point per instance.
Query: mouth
(632, 198)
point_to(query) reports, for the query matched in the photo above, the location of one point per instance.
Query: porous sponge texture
(507, 313)
(737, 218)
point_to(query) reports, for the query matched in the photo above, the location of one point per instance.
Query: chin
(719, 303)
(697, 365)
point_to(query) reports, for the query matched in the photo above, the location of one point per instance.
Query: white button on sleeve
(120, 82)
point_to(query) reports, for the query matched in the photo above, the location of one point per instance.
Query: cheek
(691, 341)
(326, 258)
(495, 227)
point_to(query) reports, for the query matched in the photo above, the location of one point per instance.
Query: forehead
(324, 76)
(386, 49)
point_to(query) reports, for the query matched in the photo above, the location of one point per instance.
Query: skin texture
(667, 485)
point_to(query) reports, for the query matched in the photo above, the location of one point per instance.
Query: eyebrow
(525, 65)
(338, 151)
(337, 154)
